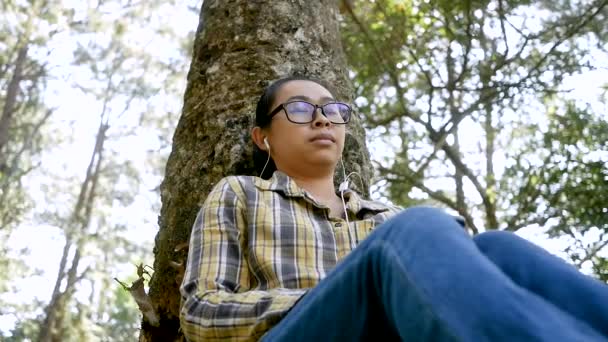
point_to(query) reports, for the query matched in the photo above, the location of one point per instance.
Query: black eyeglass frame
(282, 107)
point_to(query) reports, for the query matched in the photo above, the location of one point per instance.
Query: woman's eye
(331, 109)
(298, 108)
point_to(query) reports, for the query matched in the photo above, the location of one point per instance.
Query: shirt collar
(281, 182)
(356, 203)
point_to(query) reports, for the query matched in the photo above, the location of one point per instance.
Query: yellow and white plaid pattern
(256, 247)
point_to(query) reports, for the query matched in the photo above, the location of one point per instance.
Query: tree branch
(144, 303)
(395, 176)
(596, 248)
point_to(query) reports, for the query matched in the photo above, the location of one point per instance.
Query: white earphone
(266, 144)
(268, 151)
(342, 188)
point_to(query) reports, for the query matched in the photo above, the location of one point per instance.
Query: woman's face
(297, 147)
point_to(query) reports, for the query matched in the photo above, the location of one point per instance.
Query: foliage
(123, 321)
(25, 30)
(466, 94)
(115, 74)
(24, 330)
(562, 177)
(23, 78)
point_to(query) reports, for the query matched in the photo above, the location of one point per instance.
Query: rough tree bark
(240, 46)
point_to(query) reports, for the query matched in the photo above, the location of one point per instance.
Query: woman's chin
(329, 160)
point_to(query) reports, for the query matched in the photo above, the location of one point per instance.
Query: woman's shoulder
(384, 205)
(240, 183)
(233, 181)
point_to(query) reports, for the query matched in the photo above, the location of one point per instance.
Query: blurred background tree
(83, 175)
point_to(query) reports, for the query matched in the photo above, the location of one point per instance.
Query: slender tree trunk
(10, 102)
(48, 325)
(458, 177)
(240, 46)
(51, 328)
(490, 175)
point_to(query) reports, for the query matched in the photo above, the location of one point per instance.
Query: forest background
(495, 110)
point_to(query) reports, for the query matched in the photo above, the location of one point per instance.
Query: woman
(276, 259)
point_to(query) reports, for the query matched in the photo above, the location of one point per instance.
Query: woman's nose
(320, 119)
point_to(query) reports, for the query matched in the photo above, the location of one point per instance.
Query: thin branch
(501, 16)
(468, 46)
(541, 221)
(436, 195)
(144, 303)
(588, 15)
(410, 50)
(380, 58)
(597, 247)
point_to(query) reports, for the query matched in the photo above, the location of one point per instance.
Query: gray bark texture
(240, 47)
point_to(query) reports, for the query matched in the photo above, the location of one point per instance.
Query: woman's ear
(258, 136)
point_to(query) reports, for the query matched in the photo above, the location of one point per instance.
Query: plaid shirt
(256, 247)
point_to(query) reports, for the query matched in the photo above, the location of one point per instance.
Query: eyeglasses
(304, 112)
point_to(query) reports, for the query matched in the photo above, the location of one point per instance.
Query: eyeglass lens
(303, 112)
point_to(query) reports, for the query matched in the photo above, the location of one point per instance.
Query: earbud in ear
(266, 144)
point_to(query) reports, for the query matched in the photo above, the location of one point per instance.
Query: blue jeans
(420, 277)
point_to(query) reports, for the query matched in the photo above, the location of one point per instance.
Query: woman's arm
(217, 300)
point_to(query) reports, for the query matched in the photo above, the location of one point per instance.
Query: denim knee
(421, 221)
(494, 241)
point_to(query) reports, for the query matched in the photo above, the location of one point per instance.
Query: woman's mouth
(323, 138)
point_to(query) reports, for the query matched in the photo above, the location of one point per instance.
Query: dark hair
(263, 120)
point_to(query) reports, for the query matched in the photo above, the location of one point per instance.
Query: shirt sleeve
(218, 302)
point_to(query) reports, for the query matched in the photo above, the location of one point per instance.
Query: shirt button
(338, 225)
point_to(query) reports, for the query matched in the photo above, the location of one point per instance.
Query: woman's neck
(321, 186)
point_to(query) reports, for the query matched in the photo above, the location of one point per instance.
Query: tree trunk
(51, 327)
(458, 177)
(240, 47)
(10, 102)
(490, 130)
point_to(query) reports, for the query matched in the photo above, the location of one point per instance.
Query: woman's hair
(262, 120)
